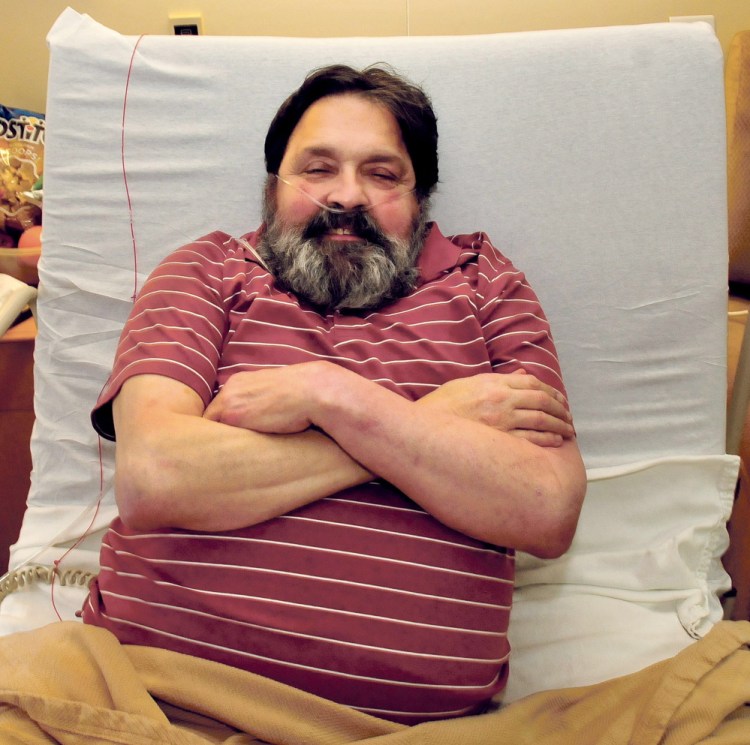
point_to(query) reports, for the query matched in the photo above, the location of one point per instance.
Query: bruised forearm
(476, 479)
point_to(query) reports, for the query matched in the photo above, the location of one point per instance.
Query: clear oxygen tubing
(341, 210)
(27, 571)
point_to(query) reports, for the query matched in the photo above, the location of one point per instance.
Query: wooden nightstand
(16, 421)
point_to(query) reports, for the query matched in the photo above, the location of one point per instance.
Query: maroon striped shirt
(362, 597)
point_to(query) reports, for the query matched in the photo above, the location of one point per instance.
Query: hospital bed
(594, 158)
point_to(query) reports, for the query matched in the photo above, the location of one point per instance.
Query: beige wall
(25, 24)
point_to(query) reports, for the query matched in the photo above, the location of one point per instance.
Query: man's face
(347, 152)
(344, 227)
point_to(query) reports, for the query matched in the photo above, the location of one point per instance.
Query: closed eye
(318, 167)
(385, 176)
(316, 171)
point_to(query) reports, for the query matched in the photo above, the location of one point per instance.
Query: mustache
(356, 221)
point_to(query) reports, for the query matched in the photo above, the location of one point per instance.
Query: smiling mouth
(354, 227)
(342, 233)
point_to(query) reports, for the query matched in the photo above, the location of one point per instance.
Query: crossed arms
(492, 456)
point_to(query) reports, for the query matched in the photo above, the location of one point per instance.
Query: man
(333, 433)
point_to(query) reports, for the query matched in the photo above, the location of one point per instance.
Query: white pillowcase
(641, 580)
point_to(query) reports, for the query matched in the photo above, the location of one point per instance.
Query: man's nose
(347, 192)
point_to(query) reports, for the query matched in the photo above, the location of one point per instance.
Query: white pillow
(641, 580)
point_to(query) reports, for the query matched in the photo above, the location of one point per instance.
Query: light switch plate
(186, 25)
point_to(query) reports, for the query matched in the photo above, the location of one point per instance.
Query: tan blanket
(75, 684)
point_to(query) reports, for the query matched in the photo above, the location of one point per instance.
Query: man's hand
(272, 401)
(517, 403)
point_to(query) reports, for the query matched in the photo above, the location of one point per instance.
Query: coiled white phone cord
(29, 574)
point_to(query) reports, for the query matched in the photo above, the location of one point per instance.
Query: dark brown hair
(407, 102)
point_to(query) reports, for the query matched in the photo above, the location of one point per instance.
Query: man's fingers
(543, 402)
(542, 439)
(521, 380)
(540, 421)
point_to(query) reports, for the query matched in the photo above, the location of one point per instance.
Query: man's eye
(385, 177)
(317, 170)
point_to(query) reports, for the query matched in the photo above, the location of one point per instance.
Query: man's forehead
(345, 122)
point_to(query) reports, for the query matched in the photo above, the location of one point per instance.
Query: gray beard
(339, 275)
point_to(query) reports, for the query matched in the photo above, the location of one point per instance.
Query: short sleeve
(176, 328)
(516, 330)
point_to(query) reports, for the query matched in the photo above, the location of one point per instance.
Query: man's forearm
(476, 479)
(177, 469)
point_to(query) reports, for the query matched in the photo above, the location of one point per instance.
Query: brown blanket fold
(75, 684)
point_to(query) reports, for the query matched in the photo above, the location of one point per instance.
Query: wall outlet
(186, 25)
(694, 19)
